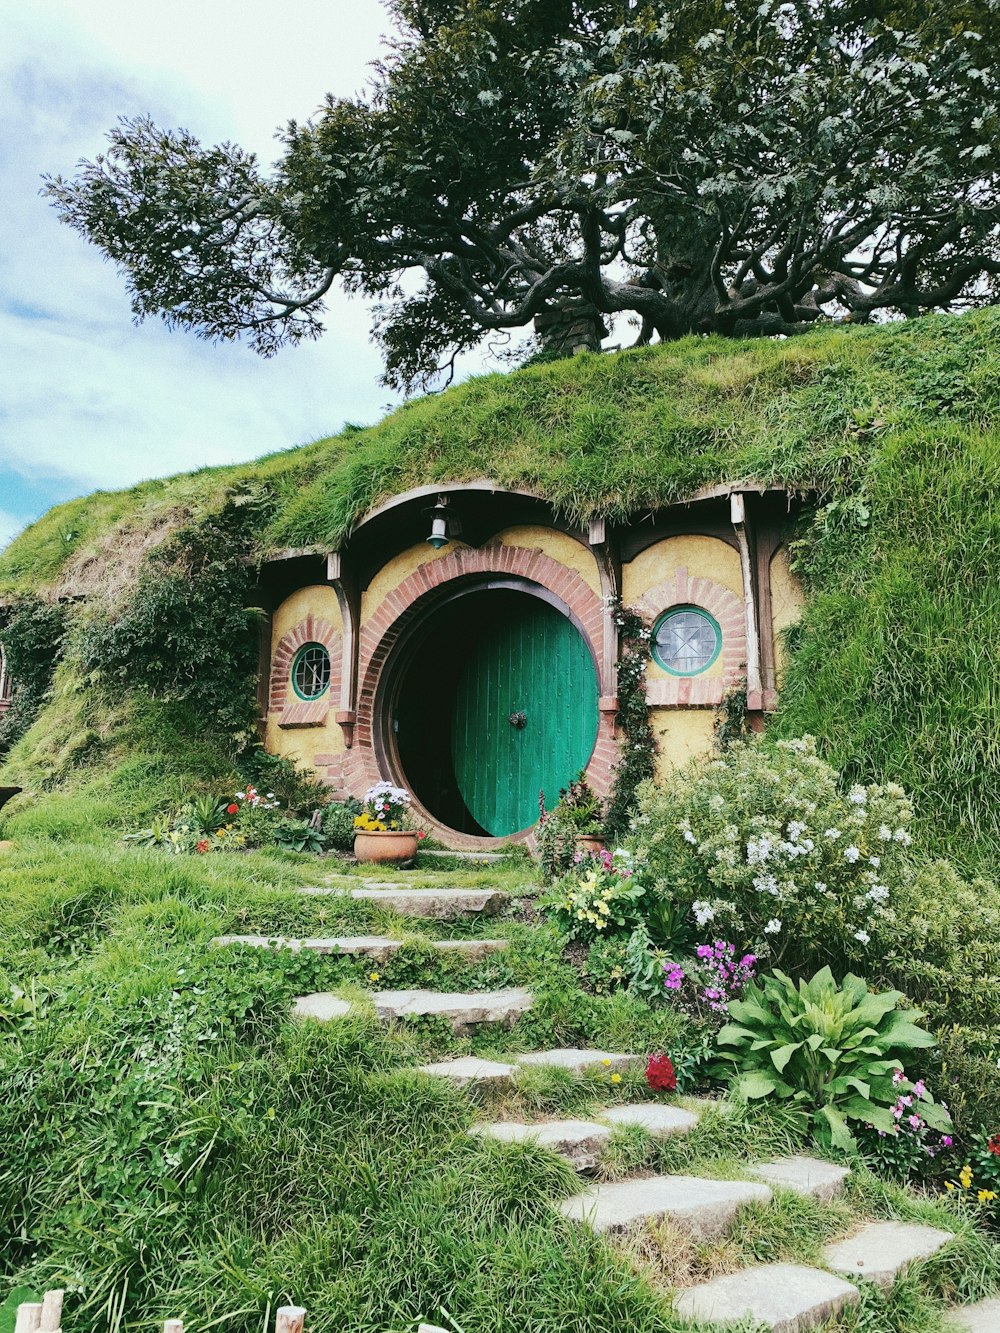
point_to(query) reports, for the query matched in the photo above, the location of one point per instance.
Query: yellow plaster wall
(787, 601)
(394, 571)
(681, 733)
(702, 557)
(303, 743)
(559, 546)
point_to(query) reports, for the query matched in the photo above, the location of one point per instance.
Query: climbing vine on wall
(638, 744)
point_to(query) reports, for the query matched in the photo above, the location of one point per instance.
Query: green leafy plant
(638, 751)
(830, 1051)
(296, 836)
(337, 823)
(581, 806)
(556, 843)
(602, 900)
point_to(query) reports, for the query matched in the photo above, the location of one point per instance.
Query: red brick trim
(297, 712)
(728, 610)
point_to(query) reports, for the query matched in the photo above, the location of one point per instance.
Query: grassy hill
(894, 430)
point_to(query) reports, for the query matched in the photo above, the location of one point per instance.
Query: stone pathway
(379, 948)
(656, 1119)
(440, 904)
(881, 1250)
(578, 1141)
(786, 1298)
(576, 1060)
(807, 1176)
(463, 1010)
(704, 1208)
(470, 1071)
(983, 1317)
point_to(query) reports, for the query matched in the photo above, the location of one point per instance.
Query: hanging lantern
(439, 524)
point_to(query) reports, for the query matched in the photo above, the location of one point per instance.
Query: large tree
(735, 166)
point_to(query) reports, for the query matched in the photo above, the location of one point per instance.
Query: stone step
(463, 1010)
(578, 1141)
(660, 1121)
(440, 904)
(786, 1298)
(474, 858)
(704, 1208)
(881, 1250)
(377, 947)
(322, 1006)
(807, 1176)
(469, 1070)
(983, 1317)
(576, 1060)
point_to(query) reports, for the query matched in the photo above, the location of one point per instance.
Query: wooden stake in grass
(290, 1319)
(29, 1317)
(173, 1326)
(52, 1304)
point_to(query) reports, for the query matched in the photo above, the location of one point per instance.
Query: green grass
(172, 1145)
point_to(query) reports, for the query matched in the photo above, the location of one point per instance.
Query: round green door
(525, 714)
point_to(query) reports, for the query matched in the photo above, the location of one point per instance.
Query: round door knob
(518, 721)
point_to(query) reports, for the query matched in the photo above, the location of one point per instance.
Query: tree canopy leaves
(699, 165)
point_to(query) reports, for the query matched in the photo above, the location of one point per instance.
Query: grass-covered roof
(894, 429)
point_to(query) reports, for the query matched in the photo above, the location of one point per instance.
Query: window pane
(311, 673)
(686, 641)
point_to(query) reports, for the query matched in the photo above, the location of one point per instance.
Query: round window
(311, 671)
(686, 640)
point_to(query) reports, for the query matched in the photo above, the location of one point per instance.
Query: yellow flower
(373, 976)
(616, 1078)
(965, 1176)
(606, 1063)
(220, 833)
(949, 1184)
(986, 1196)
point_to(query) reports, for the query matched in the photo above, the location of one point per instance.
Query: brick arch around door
(418, 594)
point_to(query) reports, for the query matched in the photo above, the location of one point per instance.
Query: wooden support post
(52, 1305)
(737, 510)
(290, 1319)
(29, 1317)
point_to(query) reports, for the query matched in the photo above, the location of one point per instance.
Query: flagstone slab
(469, 1070)
(377, 947)
(463, 1010)
(323, 1006)
(577, 1060)
(983, 1317)
(438, 904)
(809, 1176)
(656, 1119)
(881, 1250)
(579, 1141)
(473, 951)
(704, 1208)
(785, 1298)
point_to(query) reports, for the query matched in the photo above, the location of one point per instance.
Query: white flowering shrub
(767, 846)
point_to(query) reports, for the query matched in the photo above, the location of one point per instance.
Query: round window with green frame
(686, 640)
(311, 671)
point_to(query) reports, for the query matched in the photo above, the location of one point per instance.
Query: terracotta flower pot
(589, 843)
(392, 847)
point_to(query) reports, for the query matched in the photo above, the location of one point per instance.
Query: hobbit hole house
(477, 665)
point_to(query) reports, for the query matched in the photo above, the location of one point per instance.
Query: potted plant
(585, 812)
(380, 832)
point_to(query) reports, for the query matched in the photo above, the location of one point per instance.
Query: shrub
(602, 900)
(32, 638)
(337, 823)
(765, 844)
(833, 1052)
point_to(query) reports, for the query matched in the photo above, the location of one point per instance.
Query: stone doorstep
(704, 1208)
(786, 1298)
(807, 1176)
(377, 947)
(656, 1119)
(881, 1250)
(463, 1010)
(468, 1069)
(439, 904)
(578, 1141)
(983, 1317)
(577, 1060)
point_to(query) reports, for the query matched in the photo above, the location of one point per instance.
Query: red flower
(993, 1144)
(202, 846)
(421, 835)
(233, 809)
(660, 1074)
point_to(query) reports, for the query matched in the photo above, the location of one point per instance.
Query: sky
(88, 400)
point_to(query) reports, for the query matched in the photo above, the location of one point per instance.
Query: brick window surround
(291, 710)
(416, 595)
(728, 610)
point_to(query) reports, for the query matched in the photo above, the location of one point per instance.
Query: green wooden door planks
(533, 661)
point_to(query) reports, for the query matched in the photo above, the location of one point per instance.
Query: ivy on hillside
(188, 631)
(32, 637)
